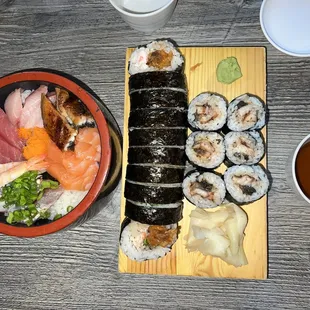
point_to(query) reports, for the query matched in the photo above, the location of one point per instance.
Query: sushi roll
(158, 98)
(154, 174)
(157, 118)
(157, 137)
(205, 149)
(142, 242)
(156, 155)
(207, 111)
(153, 194)
(158, 79)
(246, 183)
(204, 190)
(160, 55)
(153, 214)
(246, 112)
(245, 148)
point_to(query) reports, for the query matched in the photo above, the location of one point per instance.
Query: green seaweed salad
(21, 198)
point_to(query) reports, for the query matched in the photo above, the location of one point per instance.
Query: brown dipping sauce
(302, 168)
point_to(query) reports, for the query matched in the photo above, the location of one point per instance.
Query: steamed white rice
(68, 198)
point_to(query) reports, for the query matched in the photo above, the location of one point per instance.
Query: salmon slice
(85, 150)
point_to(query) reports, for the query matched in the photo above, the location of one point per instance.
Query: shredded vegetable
(23, 194)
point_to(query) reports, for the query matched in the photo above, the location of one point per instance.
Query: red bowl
(32, 80)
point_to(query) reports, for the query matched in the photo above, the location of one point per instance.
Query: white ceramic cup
(146, 22)
(291, 170)
(286, 25)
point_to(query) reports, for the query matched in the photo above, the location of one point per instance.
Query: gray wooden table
(77, 269)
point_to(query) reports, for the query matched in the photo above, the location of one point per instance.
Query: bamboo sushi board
(200, 70)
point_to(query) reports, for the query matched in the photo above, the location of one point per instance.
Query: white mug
(291, 170)
(146, 22)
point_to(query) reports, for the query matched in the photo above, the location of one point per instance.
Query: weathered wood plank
(78, 269)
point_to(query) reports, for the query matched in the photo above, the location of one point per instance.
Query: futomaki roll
(154, 214)
(159, 55)
(142, 242)
(158, 98)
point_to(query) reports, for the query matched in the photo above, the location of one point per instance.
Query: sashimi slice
(13, 106)
(5, 167)
(9, 153)
(50, 197)
(89, 135)
(31, 114)
(8, 132)
(85, 150)
(74, 165)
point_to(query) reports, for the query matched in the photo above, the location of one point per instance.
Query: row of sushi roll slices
(241, 149)
(156, 155)
(49, 155)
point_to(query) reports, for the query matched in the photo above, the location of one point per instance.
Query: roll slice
(156, 155)
(244, 147)
(154, 214)
(157, 137)
(154, 174)
(142, 242)
(157, 118)
(246, 183)
(158, 98)
(204, 190)
(166, 80)
(205, 149)
(159, 55)
(246, 112)
(153, 194)
(207, 111)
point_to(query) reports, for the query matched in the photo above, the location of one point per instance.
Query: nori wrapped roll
(154, 214)
(156, 118)
(157, 79)
(156, 155)
(153, 194)
(157, 137)
(158, 98)
(154, 174)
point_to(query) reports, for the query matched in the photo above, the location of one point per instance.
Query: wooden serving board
(200, 70)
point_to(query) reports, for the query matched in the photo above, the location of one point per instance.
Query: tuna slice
(31, 114)
(9, 153)
(13, 106)
(8, 132)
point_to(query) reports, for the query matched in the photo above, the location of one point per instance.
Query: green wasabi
(228, 70)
